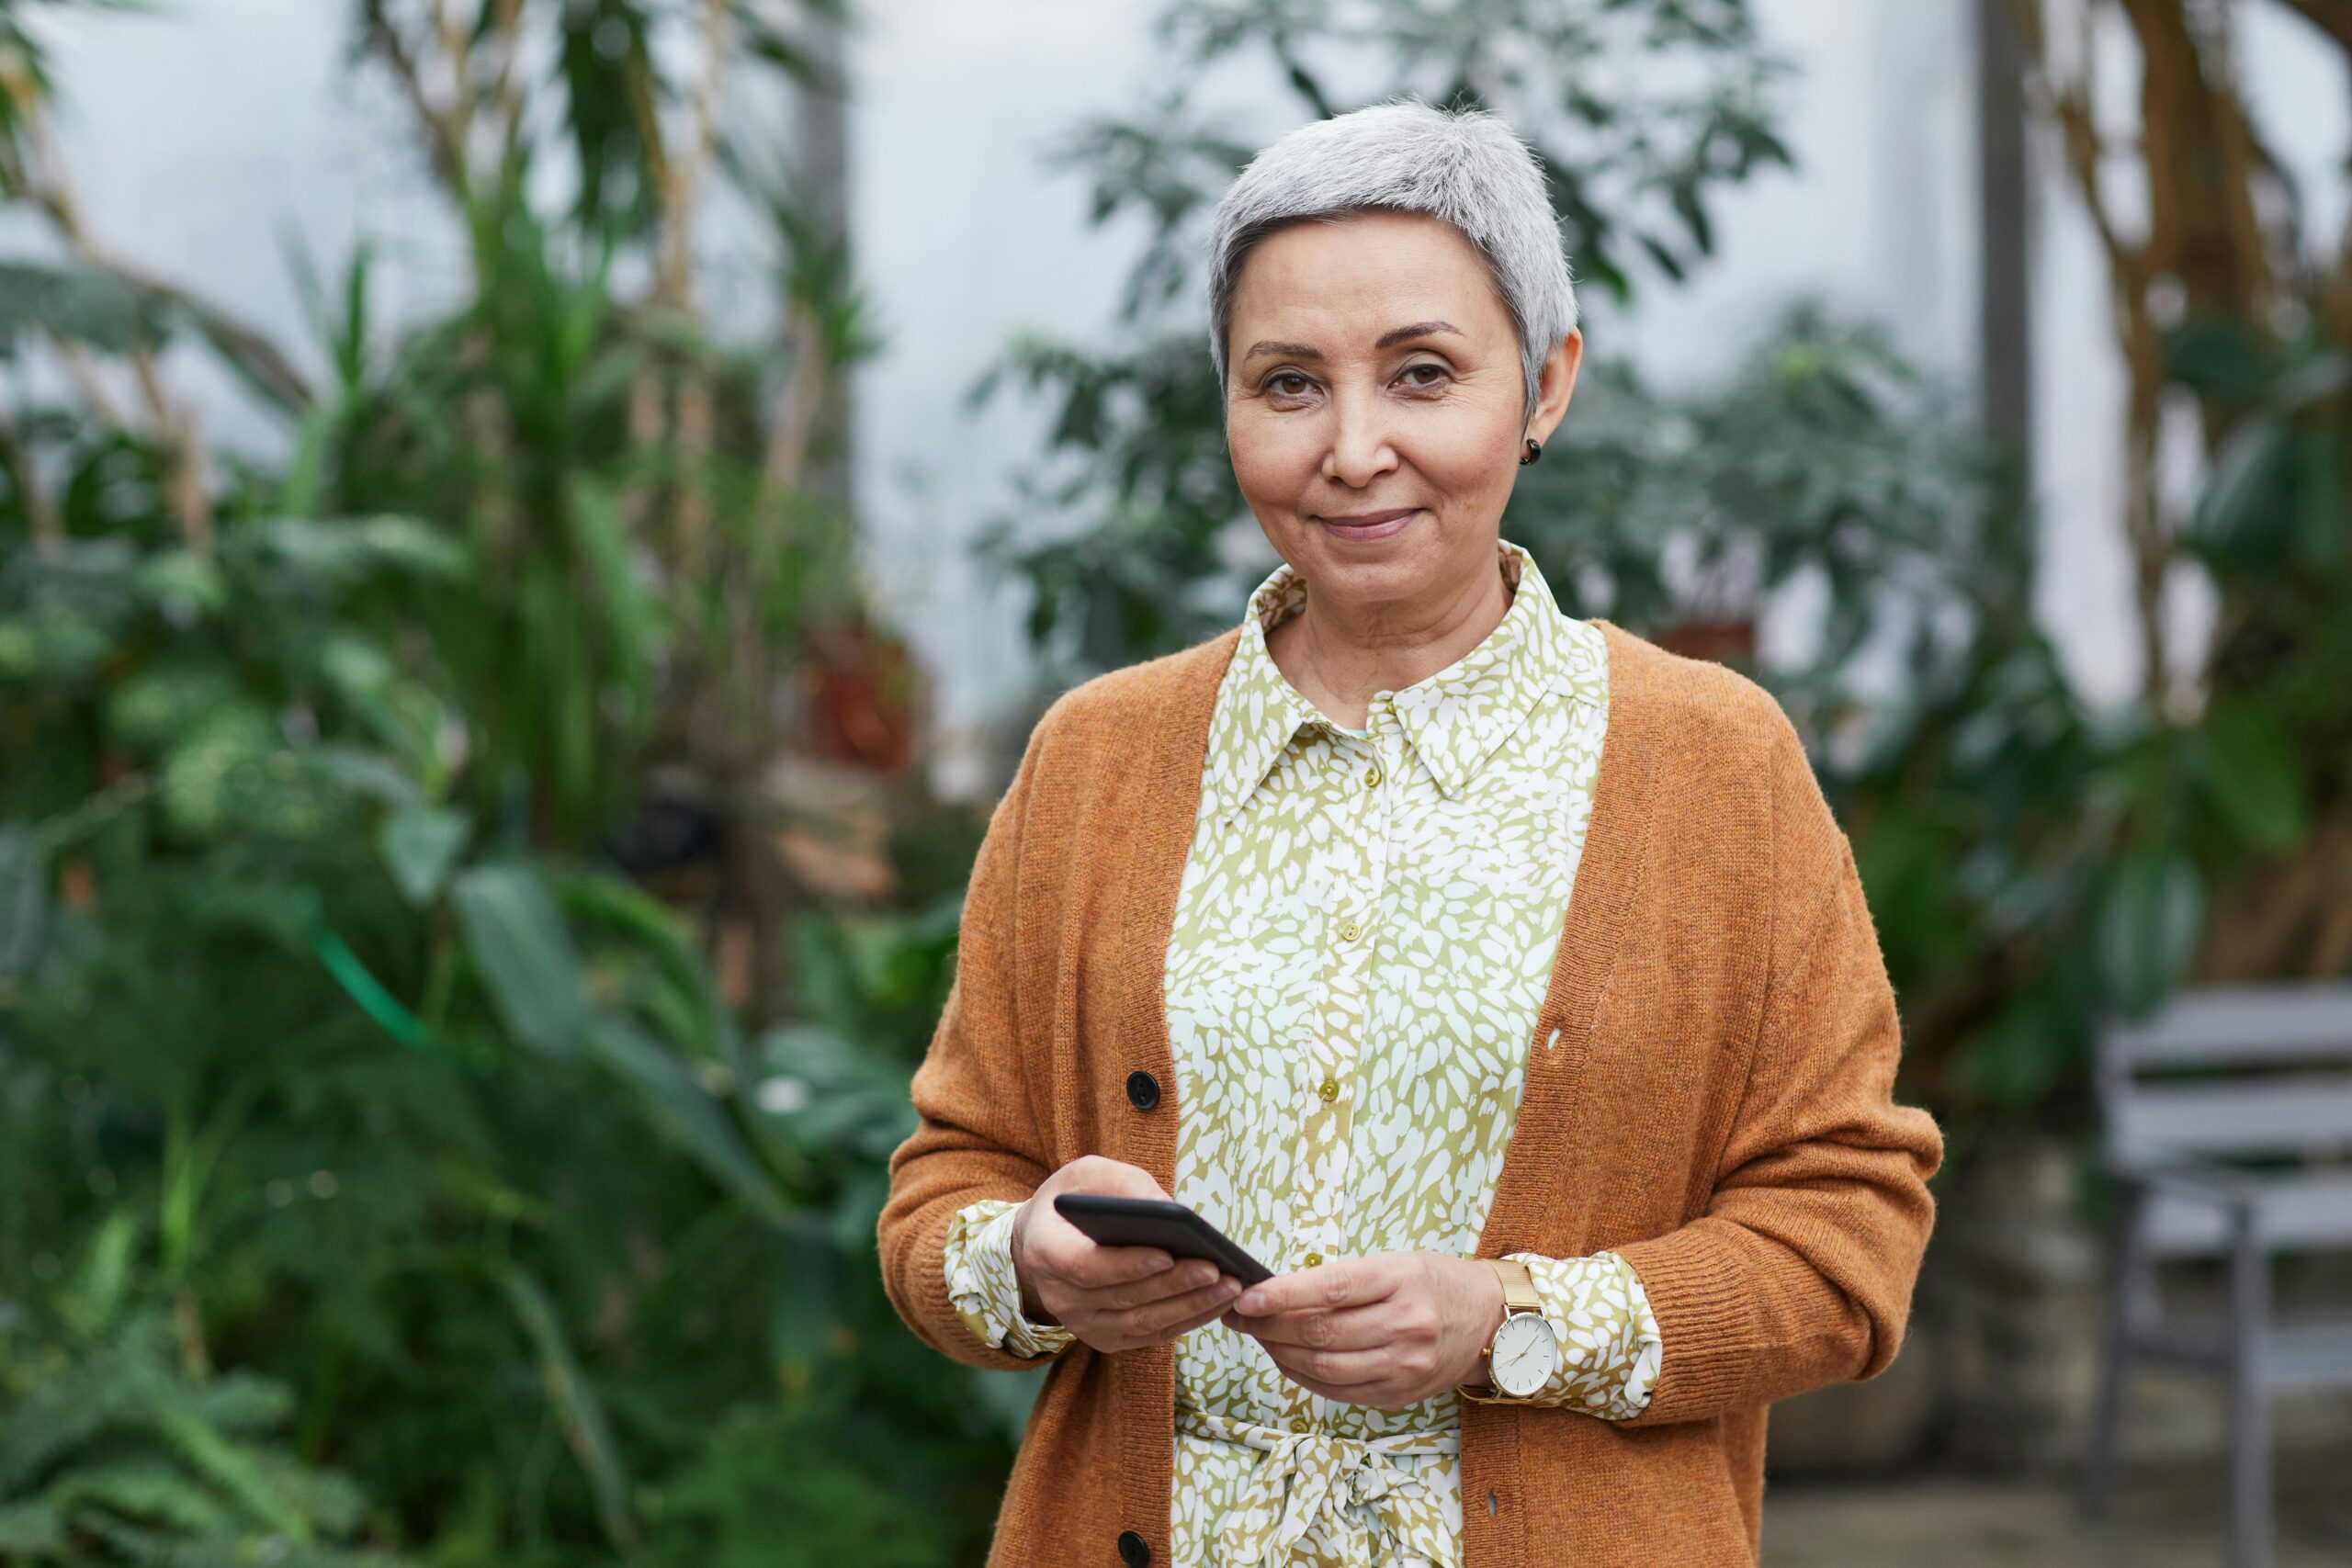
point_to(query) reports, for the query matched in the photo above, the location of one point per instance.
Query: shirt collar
(1453, 719)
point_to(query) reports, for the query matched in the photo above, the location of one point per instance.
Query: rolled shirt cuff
(1610, 1346)
(982, 1286)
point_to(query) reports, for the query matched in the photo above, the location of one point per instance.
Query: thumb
(1124, 1181)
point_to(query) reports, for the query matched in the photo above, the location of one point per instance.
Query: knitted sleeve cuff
(1752, 1319)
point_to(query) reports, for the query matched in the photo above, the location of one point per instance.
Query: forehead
(1368, 271)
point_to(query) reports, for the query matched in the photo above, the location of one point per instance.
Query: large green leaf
(2243, 505)
(2149, 923)
(633, 622)
(113, 311)
(685, 1111)
(578, 1410)
(2032, 1044)
(23, 897)
(526, 957)
(691, 1011)
(419, 845)
(803, 1311)
(2252, 777)
(80, 305)
(340, 551)
(2321, 515)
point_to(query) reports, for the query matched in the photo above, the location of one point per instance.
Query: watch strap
(1519, 1296)
(1519, 1285)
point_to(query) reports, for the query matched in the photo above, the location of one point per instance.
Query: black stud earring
(1534, 450)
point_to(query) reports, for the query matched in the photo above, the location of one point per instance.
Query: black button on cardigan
(1143, 1089)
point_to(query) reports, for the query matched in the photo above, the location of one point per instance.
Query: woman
(1498, 979)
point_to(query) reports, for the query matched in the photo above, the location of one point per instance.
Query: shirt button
(1372, 779)
(1327, 1091)
(1313, 1258)
(1301, 1424)
(1350, 930)
(1133, 1549)
(1143, 1090)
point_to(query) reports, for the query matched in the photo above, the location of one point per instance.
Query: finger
(1356, 1370)
(1105, 1338)
(1112, 1177)
(1200, 1321)
(1348, 1328)
(1163, 1322)
(1351, 1281)
(1158, 1319)
(1061, 1247)
(1187, 1277)
(1093, 1266)
(1387, 1388)
(1191, 1274)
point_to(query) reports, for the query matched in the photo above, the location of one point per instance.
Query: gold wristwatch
(1524, 1353)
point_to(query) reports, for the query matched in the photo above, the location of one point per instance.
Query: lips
(1370, 524)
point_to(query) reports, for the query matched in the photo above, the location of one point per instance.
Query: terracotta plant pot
(861, 684)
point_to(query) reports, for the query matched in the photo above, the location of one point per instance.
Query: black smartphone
(1156, 1221)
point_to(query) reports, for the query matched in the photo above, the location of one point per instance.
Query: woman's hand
(1113, 1298)
(1384, 1330)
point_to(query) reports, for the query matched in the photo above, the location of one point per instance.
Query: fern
(112, 1452)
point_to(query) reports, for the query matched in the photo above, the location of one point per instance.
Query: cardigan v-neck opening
(1616, 852)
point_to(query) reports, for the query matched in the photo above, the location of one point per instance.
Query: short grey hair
(1464, 166)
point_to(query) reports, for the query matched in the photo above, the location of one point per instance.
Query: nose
(1359, 451)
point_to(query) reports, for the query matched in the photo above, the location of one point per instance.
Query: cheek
(1469, 456)
(1272, 458)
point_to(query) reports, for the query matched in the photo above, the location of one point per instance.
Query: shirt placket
(1354, 797)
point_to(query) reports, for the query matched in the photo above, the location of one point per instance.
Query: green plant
(460, 1144)
(423, 1155)
(2225, 293)
(113, 1450)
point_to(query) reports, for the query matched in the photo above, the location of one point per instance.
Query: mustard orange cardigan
(1709, 1091)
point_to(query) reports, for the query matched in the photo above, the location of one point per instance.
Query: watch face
(1525, 1355)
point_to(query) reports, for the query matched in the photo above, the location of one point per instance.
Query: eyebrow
(1395, 335)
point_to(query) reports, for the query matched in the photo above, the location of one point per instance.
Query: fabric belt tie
(1306, 1479)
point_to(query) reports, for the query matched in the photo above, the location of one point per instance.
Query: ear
(1555, 385)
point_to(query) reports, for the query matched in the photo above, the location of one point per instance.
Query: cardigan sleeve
(975, 1136)
(1800, 1272)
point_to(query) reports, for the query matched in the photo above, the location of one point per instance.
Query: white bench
(2223, 1074)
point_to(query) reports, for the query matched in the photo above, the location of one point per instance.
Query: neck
(1338, 655)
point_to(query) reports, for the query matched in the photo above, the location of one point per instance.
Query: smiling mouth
(1369, 519)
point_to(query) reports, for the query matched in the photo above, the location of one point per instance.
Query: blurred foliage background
(439, 1123)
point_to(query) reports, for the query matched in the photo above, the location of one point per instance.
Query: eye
(1275, 384)
(1411, 370)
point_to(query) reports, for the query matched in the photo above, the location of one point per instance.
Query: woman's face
(1375, 409)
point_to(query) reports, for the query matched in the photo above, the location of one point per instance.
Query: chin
(1386, 569)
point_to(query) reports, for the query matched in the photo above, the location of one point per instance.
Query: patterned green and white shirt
(1365, 930)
